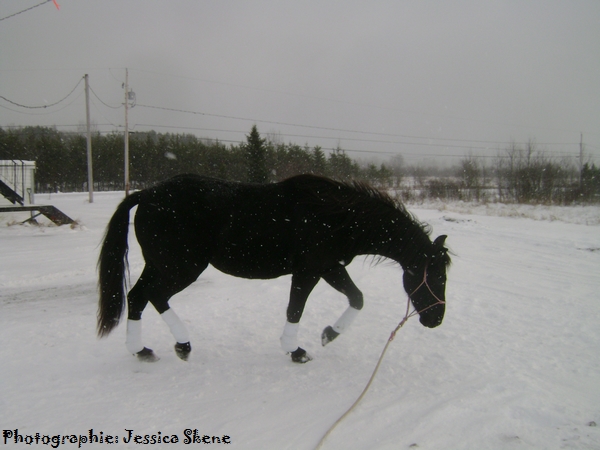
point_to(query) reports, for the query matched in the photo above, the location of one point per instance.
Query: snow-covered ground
(516, 363)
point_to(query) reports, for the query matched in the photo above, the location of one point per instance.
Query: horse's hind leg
(340, 280)
(137, 299)
(158, 290)
(181, 276)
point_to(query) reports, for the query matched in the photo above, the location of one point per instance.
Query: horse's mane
(338, 197)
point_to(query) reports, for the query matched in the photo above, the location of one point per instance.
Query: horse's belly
(247, 261)
(252, 268)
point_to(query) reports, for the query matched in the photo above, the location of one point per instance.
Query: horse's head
(425, 284)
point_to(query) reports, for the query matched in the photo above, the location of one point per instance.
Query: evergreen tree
(341, 167)
(590, 181)
(256, 157)
(319, 161)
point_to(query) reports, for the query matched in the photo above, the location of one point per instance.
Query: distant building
(17, 182)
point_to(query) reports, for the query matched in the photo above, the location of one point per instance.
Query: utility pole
(129, 96)
(89, 140)
(581, 162)
(126, 133)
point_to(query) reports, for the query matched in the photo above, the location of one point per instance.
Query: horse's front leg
(341, 281)
(302, 286)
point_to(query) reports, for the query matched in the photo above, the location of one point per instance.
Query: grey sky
(425, 79)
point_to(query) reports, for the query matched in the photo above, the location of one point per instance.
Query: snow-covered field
(516, 363)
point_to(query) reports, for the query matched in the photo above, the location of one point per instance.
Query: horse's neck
(397, 238)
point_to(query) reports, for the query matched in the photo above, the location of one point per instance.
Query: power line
(466, 141)
(44, 106)
(101, 113)
(377, 141)
(44, 113)
(371, 152)
(25, 10)
(104, 103)
(283, 123)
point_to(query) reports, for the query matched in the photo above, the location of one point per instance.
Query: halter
(408, 315)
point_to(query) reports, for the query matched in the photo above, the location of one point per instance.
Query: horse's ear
(440, 240)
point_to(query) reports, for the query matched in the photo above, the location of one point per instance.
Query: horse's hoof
(183, 350)
(328, 335)
(147, 355)
(300, 356)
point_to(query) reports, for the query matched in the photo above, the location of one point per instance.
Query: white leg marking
(346, 319)
(133, 339)
(176, 326)
(289, 338)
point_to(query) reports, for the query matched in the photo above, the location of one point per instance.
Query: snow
(514, 365)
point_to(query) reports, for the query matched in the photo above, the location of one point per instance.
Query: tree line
(519, 173)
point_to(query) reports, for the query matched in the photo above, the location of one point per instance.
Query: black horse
(307, 226)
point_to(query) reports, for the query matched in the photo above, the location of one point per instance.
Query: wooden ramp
(51, 212)
(11, 195)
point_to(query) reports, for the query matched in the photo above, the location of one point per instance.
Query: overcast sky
(424, 79)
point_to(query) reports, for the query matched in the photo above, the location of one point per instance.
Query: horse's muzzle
(431, 321)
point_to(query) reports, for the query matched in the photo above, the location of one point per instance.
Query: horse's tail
(112, 267)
